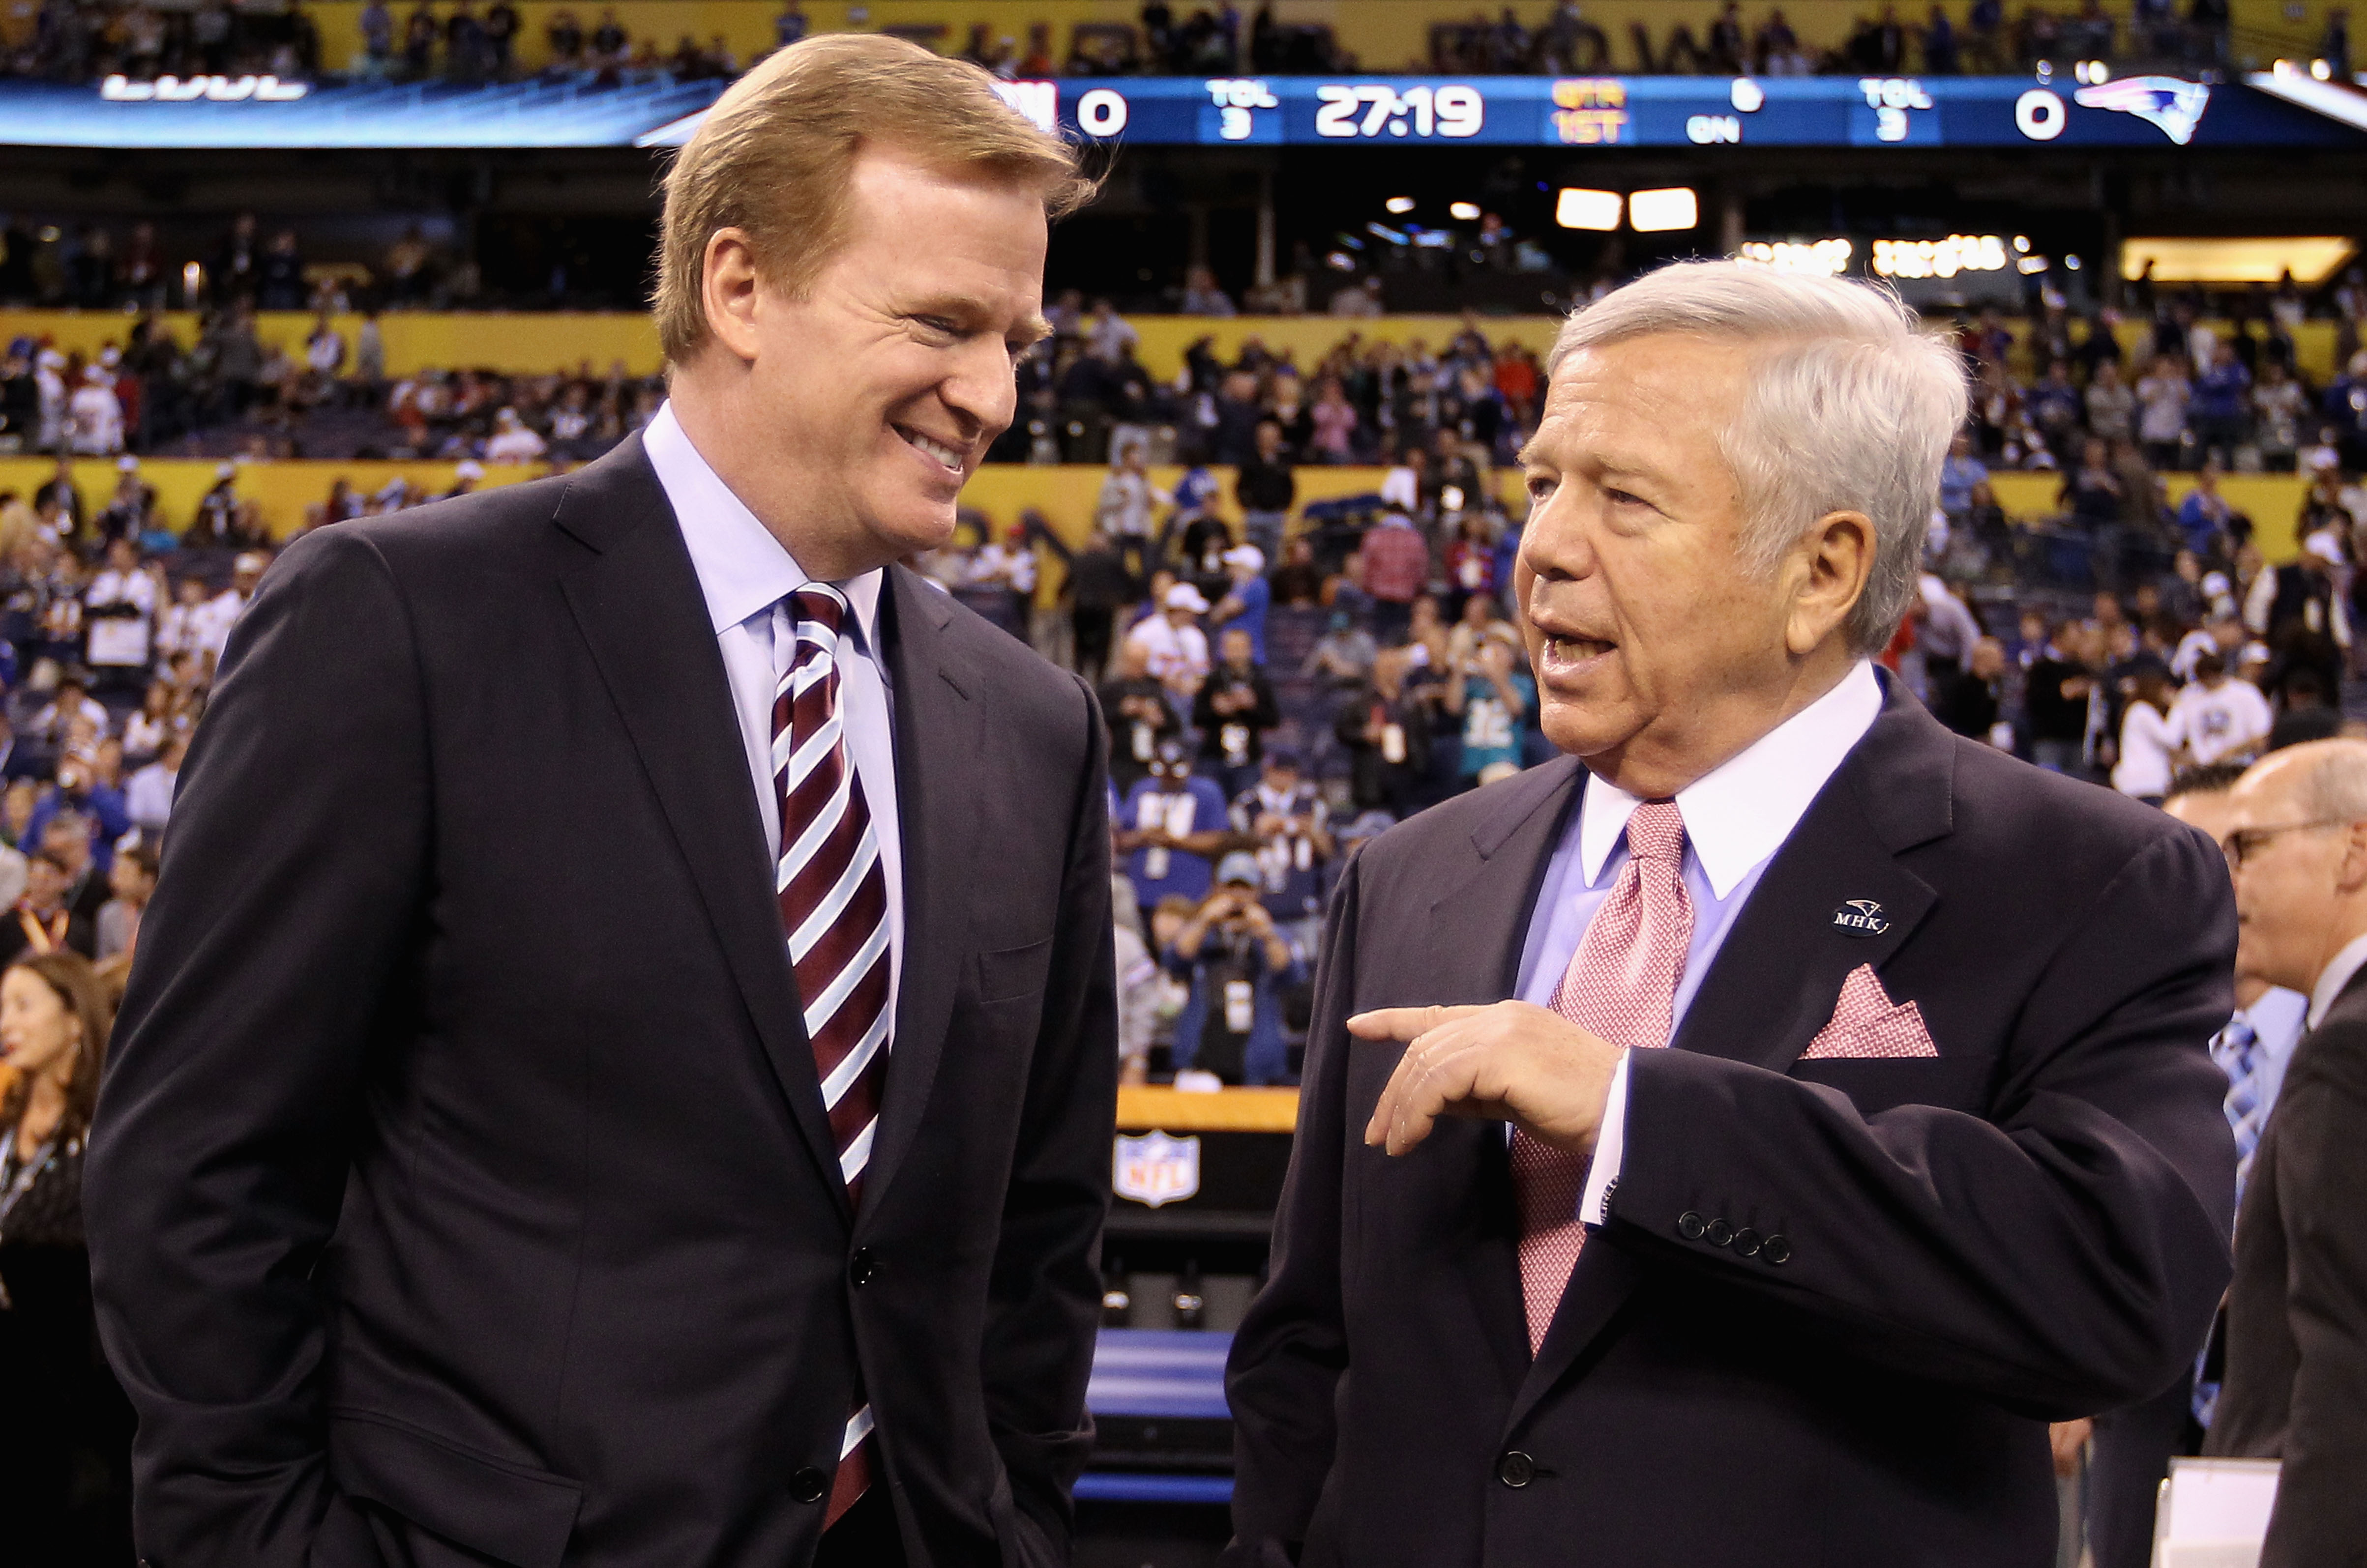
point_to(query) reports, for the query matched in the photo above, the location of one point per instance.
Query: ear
(728, 288)
(1832, 564)
(2350, 871)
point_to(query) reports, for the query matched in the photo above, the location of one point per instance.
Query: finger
(1444, 1077)
(1404, 1023)
(1438, 1072)
(1410, 1066)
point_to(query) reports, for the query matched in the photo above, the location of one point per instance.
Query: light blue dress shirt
(746, 574)
(1737, 815)
(2277, 1018)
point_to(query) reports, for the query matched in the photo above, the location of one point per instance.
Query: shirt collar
(2335, 977)
(1739, 813)
(743, 570)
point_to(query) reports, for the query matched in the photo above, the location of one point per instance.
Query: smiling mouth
(937, 451)
(1568, 652)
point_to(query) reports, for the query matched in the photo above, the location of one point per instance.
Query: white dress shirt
(746, 574)
(1737, 815)
(2335, 976)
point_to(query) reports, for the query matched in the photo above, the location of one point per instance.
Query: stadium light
(1578, 207)
(1468, 211)
(1656, 211)
(1401, 205)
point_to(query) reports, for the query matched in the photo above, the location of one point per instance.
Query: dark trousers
(2132, 1450)
(1089, 627)
(865, 1537)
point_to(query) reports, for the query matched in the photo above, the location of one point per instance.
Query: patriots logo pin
(2166, 102)
(1860, 917)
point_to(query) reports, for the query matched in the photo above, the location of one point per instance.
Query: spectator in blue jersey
(2054, 406)
(2204, 517)
(1498, 700)
(1960, 473)
(1239, 965)
(2222, 402)
(1285, 814)
(1245, 603)
(1171, 826)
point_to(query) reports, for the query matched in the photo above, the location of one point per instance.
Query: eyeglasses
(2244, 843)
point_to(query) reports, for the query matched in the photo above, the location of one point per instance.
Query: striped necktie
(834, 899)
(2236, 1050)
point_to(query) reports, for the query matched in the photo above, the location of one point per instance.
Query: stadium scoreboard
(1602, 112)
(1582, 114)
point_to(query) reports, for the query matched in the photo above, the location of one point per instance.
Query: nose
(1557, 545)
(983, 388)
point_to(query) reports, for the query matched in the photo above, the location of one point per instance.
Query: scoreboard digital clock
(1370, 109)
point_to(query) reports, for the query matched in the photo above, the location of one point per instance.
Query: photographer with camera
(1239, 965)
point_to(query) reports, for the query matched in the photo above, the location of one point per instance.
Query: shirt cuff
(1610, 1148)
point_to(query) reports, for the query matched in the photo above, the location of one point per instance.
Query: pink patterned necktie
(1622, 986)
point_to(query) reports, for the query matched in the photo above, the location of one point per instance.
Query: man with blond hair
(1733, 1142)
(621, 1063)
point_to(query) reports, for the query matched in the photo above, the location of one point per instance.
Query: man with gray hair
(1732, 1143)
(2296, 1339)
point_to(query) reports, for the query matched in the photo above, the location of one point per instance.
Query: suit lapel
(1779, 971)
(636, 599)
(937, 740)
(1776, 977)
(1478, 929)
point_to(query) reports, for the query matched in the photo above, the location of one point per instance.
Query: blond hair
(774, 155)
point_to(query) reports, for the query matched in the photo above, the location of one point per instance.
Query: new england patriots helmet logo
(2176, 107)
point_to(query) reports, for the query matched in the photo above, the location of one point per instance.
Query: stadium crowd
(1281, 680)
(78, 40)
(2183, 380)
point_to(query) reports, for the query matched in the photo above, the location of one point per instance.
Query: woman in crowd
(67, 1425)
(2153, 736)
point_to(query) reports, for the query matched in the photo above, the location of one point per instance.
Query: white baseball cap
(1184, 596)
(1247, 556)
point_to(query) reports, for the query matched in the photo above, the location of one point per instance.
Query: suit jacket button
(1776, 1249)
(1690, 1225)
(810, 1485)
(1719, 1232)
(1746, 1242)
(862, 1267)
(1516, 1470)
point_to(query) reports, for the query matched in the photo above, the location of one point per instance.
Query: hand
(1512, 1062)
(2067, 1438)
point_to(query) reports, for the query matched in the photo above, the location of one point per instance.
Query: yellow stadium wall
(1385, 36)
(556, 342)
(1065, 495)
(539, 342)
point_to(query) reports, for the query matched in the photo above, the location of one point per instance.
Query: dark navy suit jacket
(1950, 1251)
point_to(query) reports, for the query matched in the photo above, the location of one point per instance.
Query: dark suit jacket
(461, 1174)
(2029, 1226)
(2296, 1376)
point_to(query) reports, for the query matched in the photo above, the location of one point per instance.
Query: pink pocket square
(1865, 1025)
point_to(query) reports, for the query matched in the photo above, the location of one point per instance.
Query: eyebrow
(970, 313)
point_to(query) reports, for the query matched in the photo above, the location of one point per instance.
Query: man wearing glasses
(2297, 1368)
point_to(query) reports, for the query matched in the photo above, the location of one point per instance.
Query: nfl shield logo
(1156, 1170)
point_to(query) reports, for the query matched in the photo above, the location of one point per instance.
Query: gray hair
(1849, 407)
(2334, 789)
